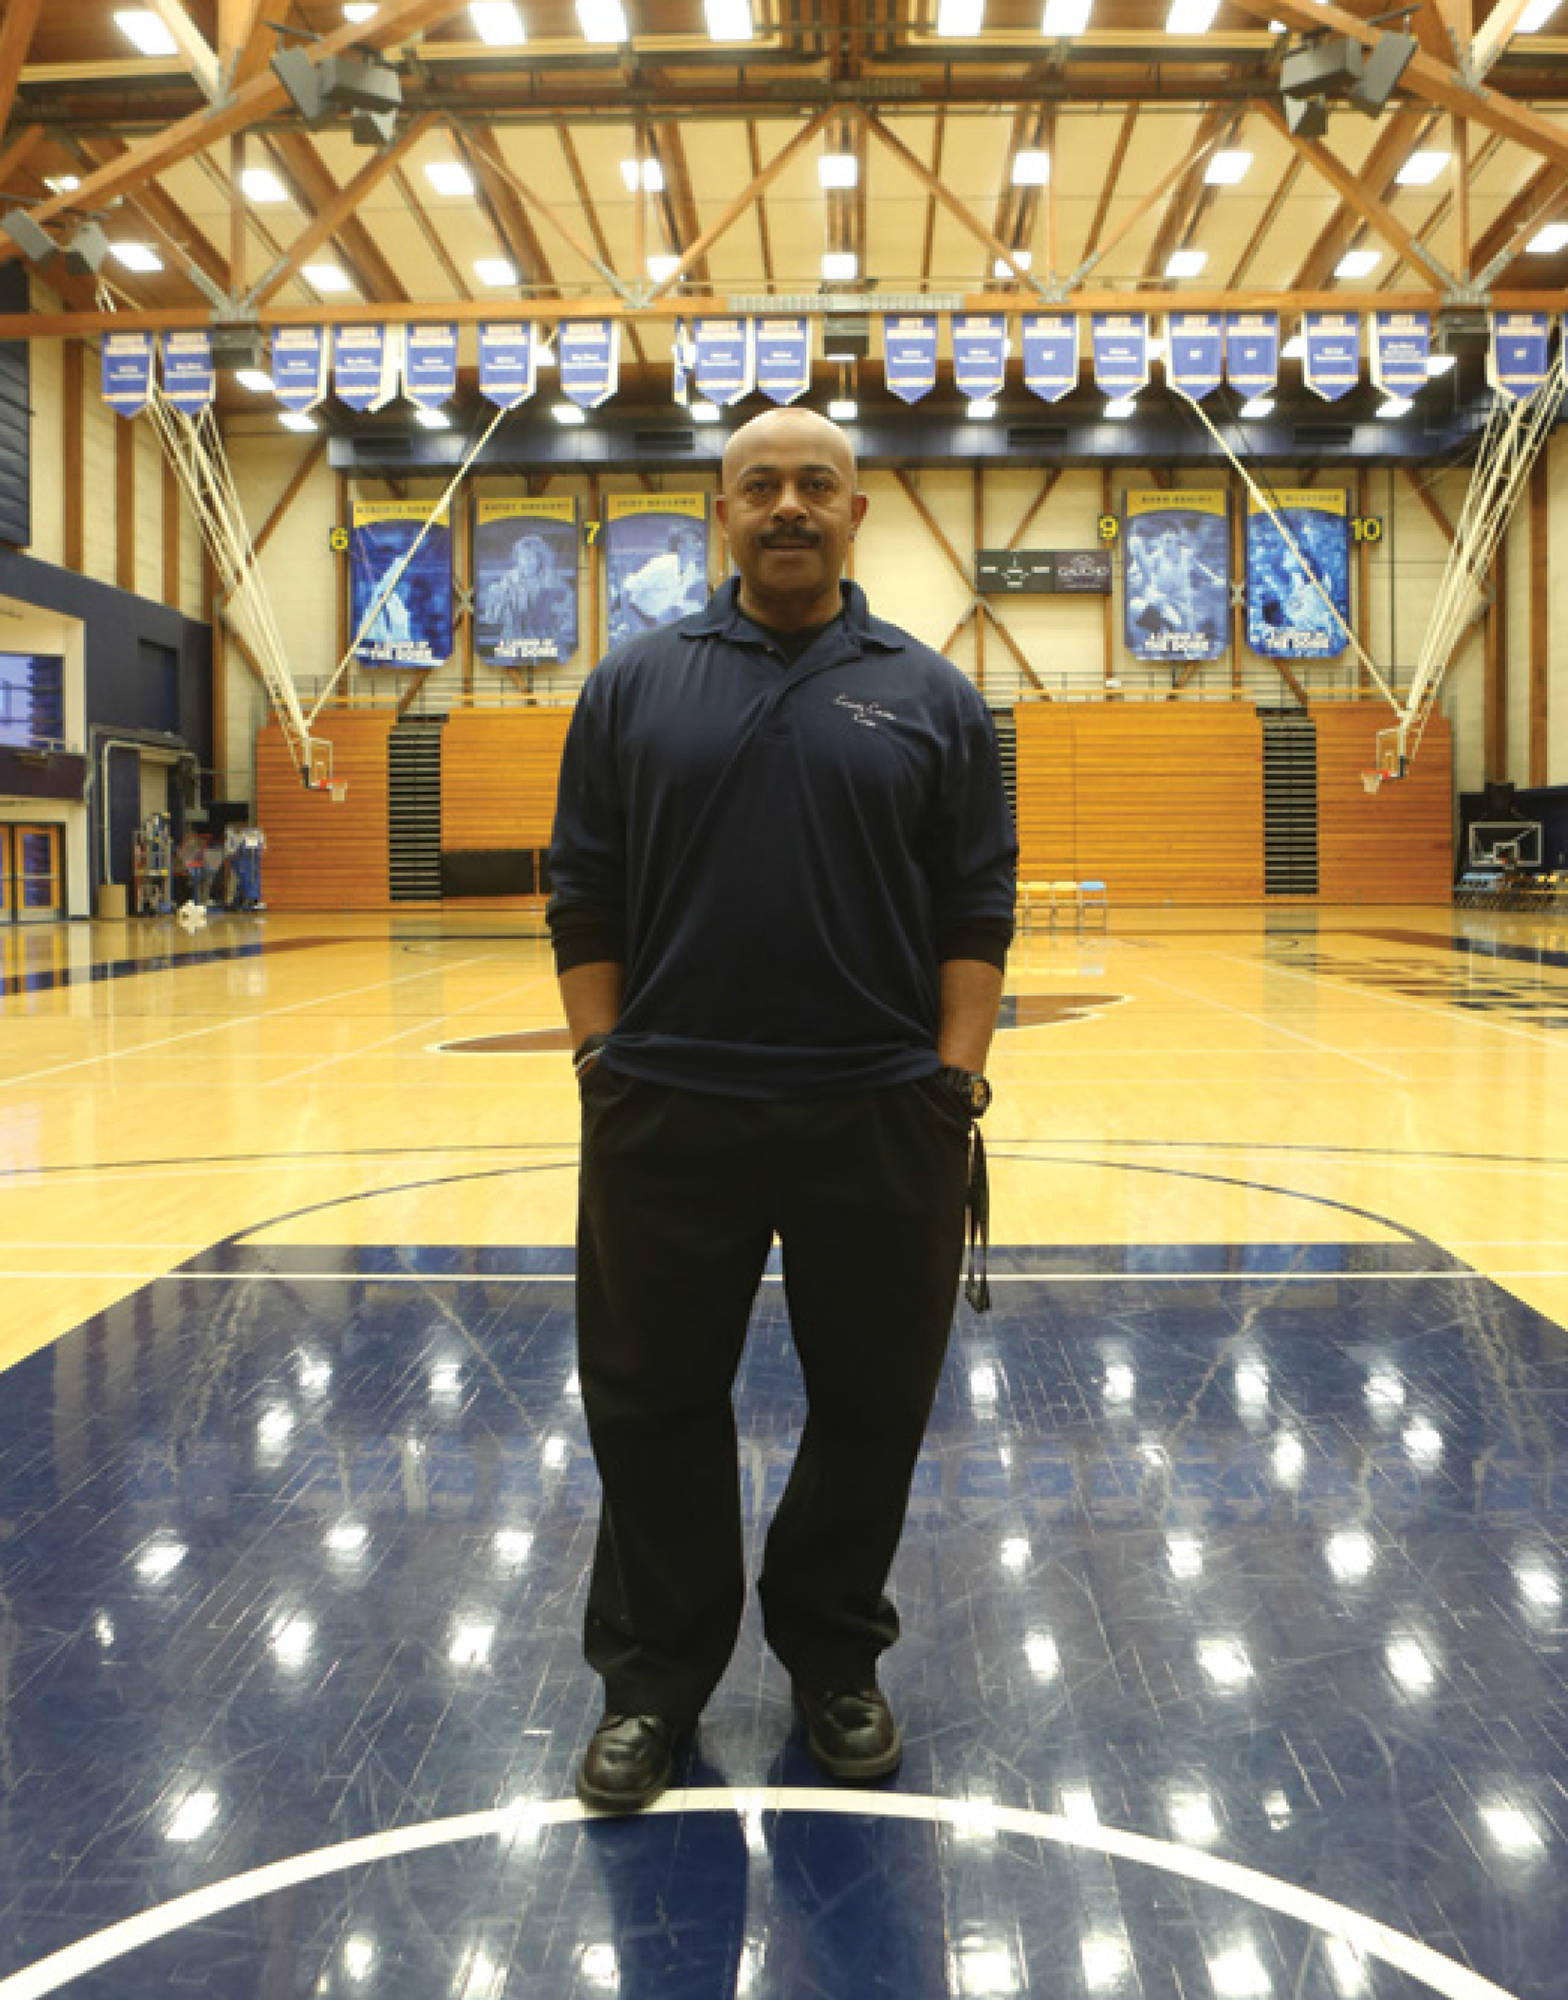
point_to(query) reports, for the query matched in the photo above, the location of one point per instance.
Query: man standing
(783, 893)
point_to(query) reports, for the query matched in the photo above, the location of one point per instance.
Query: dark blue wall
(147, 668)
(16, 418)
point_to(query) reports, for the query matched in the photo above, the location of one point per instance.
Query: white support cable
(1308, 568)
(395, 575)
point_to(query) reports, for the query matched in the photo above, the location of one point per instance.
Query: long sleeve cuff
(984, 939)
(584, 935)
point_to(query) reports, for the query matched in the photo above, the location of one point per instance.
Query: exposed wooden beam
(173, 513)
(1195, 155)
(936, 168)
(317, 193)
(763, 239)
(1356, 190)
(73, 495)
(256, 99)
(1113, 174)
(957, 565)
(1493, 36)
(950, 201)
(1187, 196)
(509, 219)
(19, 152)
(125, 503)
(343, 207)
(1494, 687)
(433, 239)
(17, 23)
(195, 50)
(487, 147)
(680, 204)
(1540, 618)
(1425, 77)
(1521, 219)
(166, 218)
(695, 252)
(1270, 216)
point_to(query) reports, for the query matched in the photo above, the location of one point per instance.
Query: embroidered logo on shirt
(867, 713)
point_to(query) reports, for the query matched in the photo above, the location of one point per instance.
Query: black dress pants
(682, 1194)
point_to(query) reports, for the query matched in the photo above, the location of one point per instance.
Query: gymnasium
(365, 372)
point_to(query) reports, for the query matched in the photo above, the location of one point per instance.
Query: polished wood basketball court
(1234, 1584)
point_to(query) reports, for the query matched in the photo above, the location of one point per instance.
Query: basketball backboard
(1514, 843)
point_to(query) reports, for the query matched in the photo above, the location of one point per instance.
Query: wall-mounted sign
(1042, 572)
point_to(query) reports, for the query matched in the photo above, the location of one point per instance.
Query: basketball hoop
(1372, 779)
(339, 793)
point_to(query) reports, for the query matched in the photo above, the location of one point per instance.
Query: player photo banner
(1252, 352)
(726, 360)
(127, 372)
(1050, 354)
(412, 628)
(1195, 352)
(783, 358)
(589, 357)
(909, 354)
(1298, 598)
(365, 362)
(1401, 343)
(1176, 575)
(508, 364)
(1520, 354)
(1332, 365)
(1121, 352)
(655, 560)
(299, 366)
(525, 582)
(188, 379)
(979, 354)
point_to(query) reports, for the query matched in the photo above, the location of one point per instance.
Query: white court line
(1374, 1939)
(1446, 1010)
(234, 1021)
(1276, 1028)
(402, 1035)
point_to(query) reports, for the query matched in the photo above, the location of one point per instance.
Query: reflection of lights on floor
(1239, 1974)
(193, 1816)
(1351, 1555)
(1511, 1829)
(1411, 1664)
(1192, 1818)
(1044, 1656)
(159, 1558)
(1225, 1661)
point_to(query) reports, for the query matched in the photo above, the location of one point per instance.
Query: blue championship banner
(127, 372)
(1252, 352)
(525, 582)
(508, 364)
(365, 365)
(1176, 574)
(188, 378)
(430, 365)
(1519, 357)
(726, 360)
(411, 600)
(979, 354)
(1401, 343)
(909, 354)
(588, 354)
(783, 358)
(1331, 367)
(1051, 354)
(655, 560)
(299, 366)
(1121, 352)
(1195, 352)
(1298, 599)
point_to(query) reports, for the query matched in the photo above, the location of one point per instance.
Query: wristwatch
(969, 1086)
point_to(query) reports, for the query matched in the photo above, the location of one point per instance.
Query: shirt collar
(724, 618)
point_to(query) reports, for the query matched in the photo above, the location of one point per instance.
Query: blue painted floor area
(1260, 1555)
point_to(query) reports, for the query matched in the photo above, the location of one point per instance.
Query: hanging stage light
(364, 85)
(34, 242)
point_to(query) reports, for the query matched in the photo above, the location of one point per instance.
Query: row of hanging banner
(724, 360)
(526, 576)
(1176, 572)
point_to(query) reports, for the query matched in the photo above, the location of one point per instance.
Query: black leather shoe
(852, 1736)
(627, 1763)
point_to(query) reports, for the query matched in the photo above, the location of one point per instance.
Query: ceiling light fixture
(603, 20)
(840, 266)
(843, 409)
(838, 170)
(1536, 15)
(1186, 263)
(261, 184)
(1226, 169)
(662, 268)
(1548, 241)
(297, 420)
(1022, 259)
(497, 272)
(652, 176)
(960, 17)
(1066, 17)
(568, 414)
(729, 20)
(433, 420)
(327, 278)
(1358, 263)
(498, 24)
(1119, 408)
(137, 256)
(143, 27)
(1191, 17)
(1031, 168)
(449, 177)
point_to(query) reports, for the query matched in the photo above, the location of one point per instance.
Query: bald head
(791, 433)
(790, 508)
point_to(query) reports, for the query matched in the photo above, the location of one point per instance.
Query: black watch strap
(969, 1086)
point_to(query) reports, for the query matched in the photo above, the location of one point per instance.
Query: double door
(32, 873)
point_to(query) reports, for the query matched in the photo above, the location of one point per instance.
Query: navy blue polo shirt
(780, 852)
